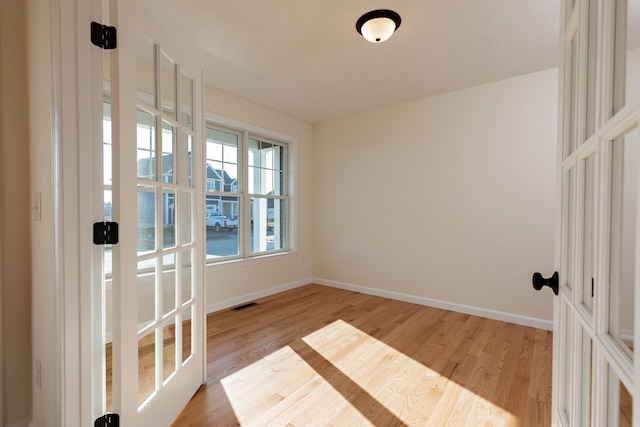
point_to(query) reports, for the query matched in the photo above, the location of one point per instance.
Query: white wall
(449, 198)
(235, 282)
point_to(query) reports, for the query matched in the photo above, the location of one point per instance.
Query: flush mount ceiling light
(378, 25)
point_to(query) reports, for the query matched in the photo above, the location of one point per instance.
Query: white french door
(151, 330)
(596, 314)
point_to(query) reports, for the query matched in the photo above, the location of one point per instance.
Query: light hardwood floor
(318, 356)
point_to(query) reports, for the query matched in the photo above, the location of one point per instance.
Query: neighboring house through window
(246, 194)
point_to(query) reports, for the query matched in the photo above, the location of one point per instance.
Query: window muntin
(240, 166)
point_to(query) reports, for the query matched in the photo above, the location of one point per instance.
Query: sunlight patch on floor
(368, 378)
(413, 392)
(282, 388)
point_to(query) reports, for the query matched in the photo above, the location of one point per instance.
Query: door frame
(72, 131)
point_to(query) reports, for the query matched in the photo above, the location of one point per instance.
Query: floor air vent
(242, 307)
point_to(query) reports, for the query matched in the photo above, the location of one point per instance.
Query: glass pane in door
(168, 352)
(568, 228)
(619, 402)
(186, 101)
(591, 71)
(168, 219)
(185, 213)
(185, 157)
(589, 233)
(624, 203)
(574, 134)
(169, 284)
(146, 65)
(585, 392)
(168, 148)
(627, 54)
(146, 293)
(146, 219)
(187, 334)
(169, 84)
(187, 276)
(146, 366)
(146, 143)
(566, 365)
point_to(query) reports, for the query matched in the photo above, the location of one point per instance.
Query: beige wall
(449, 198)
(43, 316)
(15, 244)
(227, 283)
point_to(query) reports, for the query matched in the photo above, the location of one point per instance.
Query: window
(246, 194)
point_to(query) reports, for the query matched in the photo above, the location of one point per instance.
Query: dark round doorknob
(539, 282)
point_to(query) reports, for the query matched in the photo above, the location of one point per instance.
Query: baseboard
(23, 423)
(445, 305)
(242, 299)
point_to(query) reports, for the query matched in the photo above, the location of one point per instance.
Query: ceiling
(305, 58)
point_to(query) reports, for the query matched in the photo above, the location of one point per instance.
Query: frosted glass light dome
(378, 25)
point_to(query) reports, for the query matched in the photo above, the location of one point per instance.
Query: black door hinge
(105, 233)
(107, 420)
(103, 36)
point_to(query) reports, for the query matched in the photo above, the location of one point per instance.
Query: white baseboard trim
(22, 423)
(242, 299)
(445, 305)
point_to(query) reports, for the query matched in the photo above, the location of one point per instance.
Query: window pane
(266, 178)
(222, 161)
(254, 152)
(146, 143)
(278, 183)
(268, 225)
(266, 168)
(222, 227)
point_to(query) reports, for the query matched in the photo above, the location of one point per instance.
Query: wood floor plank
(323, 356)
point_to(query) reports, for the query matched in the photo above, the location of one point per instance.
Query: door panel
(158, 335)
(597, 371)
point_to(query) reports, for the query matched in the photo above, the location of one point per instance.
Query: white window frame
(248, 130)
